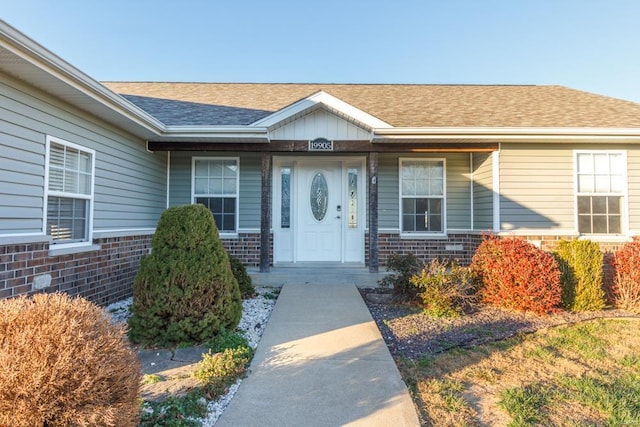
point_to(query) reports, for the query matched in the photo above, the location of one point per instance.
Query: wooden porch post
(265, 217)
(373, 212)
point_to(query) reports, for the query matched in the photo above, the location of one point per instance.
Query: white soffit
(507, 134)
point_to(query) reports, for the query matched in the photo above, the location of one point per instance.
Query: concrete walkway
(321, 362)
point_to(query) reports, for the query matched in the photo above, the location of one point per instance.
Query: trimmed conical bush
(185, 291)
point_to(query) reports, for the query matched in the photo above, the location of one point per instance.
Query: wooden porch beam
(372, 160)
(281, 146)
(265, 216)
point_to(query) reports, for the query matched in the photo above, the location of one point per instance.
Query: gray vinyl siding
(388, 192)
(537, 183)
(180, 178)
(250, 190)
(130, 183)
(250, 183)
(21, 178)
(482, 191)
(633, 180)
(536, 186)
(458, 190)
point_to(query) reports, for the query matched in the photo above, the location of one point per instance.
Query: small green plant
(225, 340)
(151, 379)
(405, 267)
(581, 266)
(244, 280)
(445, 288)
(217, 371)
(525, 404)
(450, 391)
(178, 411)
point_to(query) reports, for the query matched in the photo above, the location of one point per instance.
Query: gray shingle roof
(399, 105)
(172, 112)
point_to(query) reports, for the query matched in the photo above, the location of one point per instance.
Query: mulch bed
(411, 334)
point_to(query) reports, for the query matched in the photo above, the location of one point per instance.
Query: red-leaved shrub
(515, 274)
(626, 285)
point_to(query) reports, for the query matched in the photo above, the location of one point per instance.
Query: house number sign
(320, 144)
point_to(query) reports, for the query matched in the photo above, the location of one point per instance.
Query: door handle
(338, 217)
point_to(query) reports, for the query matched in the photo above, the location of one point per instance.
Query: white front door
(319, 199)
(319, 209)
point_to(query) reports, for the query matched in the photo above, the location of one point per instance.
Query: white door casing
(335, 235)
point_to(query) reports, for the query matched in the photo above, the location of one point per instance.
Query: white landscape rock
(255, 315)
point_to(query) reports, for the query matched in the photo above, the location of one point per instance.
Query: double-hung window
(422, 196)
(601, 186)
(69, 195)
(215, 185)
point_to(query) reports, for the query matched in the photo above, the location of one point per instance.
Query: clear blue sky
(592, 45)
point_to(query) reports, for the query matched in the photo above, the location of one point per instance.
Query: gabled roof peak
(321, 99)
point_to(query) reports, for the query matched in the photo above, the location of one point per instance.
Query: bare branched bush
(63, 363)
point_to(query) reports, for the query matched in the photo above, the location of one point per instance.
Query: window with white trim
(422, 196)
(600, 184)
(215, 185)
(70, 176)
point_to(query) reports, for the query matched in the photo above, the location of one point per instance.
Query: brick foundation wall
(549, 243)
(427, 249)
(455, 246)
(102, 276)
(246, 248)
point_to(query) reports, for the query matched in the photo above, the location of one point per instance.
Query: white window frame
(88, 241)
(624, 194)
(195, 195)
(421, 234)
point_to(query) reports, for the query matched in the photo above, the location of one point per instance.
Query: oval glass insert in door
(319, 196)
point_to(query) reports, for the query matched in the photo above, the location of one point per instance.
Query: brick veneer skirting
(455, 246)
(460, 247)
(246, 248)
(549, 243)
(106, 275)
(102, 276)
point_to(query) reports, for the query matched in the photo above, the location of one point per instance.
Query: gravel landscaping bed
(255, 315)
(411, 334)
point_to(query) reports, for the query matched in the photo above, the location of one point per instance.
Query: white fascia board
(331, 102)
(35, 54)
(260, 134)
(509, 134)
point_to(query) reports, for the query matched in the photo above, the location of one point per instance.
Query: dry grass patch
(582, 374)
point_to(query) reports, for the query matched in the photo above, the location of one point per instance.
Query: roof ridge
(323, 84)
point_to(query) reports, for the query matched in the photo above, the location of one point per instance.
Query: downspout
(471, 182)
(168, 175)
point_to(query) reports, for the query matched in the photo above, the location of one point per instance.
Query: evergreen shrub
(63, 363)
(244, 280)
(581, 266)
(185, 291)
(445, 288)
(626, 287)
(516, 275)
(404, 267)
